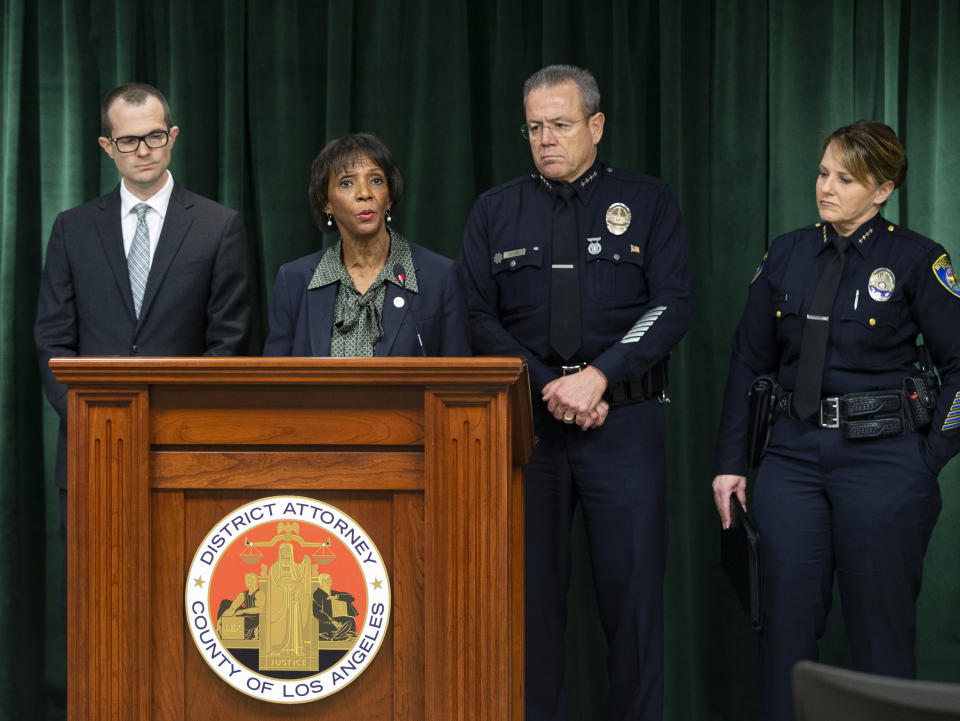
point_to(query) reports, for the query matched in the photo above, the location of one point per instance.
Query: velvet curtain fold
(726, 100)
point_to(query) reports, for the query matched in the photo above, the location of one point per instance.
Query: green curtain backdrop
(726, 100)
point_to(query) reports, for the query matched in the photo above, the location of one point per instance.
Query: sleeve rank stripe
(643, 325)
(952, 419)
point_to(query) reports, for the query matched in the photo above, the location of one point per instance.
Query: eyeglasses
(559, 128)
(131, 143)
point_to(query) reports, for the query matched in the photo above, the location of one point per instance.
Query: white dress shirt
(158, 203)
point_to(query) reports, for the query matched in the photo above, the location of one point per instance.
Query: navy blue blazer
(301, 320)
(197, 299)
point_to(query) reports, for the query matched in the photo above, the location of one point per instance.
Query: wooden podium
(425, 454)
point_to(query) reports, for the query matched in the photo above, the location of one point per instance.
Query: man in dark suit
(149, 269)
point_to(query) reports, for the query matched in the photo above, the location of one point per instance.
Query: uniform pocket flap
(873, 314)
(787, 304)
(514, 259)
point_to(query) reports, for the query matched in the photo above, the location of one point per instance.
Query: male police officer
(582, 269)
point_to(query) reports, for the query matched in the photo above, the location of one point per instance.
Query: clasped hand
(578, 398)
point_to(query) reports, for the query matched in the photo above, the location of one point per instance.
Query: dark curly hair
(343, 153)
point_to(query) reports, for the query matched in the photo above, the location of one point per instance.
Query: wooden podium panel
(424, 453)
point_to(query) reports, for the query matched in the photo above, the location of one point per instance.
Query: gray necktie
(138, 260)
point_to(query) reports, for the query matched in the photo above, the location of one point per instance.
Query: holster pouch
(920, 392)
(761, 400)
(919, 401)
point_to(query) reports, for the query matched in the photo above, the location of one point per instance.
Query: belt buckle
(570, 370)
(832, 404)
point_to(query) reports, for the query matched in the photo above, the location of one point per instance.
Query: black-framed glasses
(560, 128)
(131, 143)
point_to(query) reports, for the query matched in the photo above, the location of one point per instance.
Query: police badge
(881, 284)
(618, 218)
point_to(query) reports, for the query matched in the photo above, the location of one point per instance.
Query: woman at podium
(373, 293)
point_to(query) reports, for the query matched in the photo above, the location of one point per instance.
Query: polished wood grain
(471, 518)
(108, 553)
(374, 469)
(424, 453)
(289, 416)
(493, 371)
(167, 634)
(409, 621)
(515, 591)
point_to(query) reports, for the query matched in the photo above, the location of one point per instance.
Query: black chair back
(824, 693)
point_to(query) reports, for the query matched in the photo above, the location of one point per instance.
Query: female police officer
(848, 481)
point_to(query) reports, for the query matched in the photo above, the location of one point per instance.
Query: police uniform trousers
(861, 509)
(617, 473)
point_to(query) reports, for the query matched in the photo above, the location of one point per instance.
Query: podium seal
(287, 599)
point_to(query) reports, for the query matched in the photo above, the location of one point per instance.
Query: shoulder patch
(952, 420)
(759, 269)
(944, 272)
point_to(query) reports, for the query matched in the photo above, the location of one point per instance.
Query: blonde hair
(870, 151)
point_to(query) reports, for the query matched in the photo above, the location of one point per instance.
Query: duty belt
(872, 414)
(642, 387)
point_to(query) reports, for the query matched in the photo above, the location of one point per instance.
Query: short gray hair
(554, 75)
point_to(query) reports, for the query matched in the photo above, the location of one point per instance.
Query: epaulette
(522, 180)
(909, 235)
(631, 176)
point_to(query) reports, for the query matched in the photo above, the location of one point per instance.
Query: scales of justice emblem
(288, 599)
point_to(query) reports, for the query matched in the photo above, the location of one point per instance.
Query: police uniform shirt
(896, 284)
(634, 278)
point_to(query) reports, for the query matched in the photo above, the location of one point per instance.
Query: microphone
(401, 277)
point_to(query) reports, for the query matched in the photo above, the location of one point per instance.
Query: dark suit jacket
(301, 320)
(197, 299)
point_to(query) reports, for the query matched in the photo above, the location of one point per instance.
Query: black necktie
(816, 331)
(565, 277)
